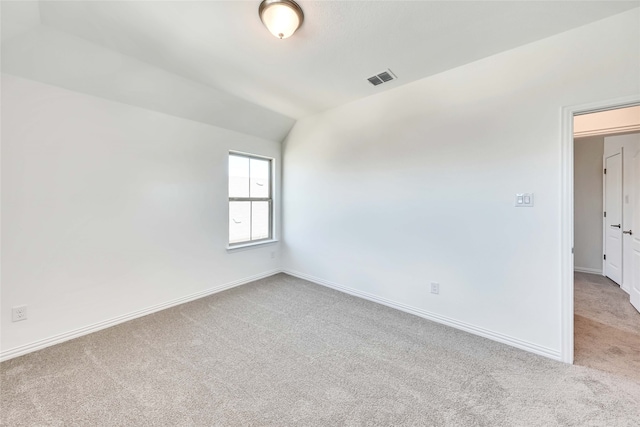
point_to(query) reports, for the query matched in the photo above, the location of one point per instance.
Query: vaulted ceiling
(223, 44)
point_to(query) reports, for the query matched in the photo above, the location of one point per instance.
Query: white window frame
(270, 238)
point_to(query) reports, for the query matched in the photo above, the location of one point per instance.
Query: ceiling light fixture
(281, 17)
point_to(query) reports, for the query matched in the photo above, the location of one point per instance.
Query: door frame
(566, 213)
(634, 290)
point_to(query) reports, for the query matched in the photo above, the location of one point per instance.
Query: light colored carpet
(607, 327)
(283, 351)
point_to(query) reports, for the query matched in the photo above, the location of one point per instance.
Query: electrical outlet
(273, 255)
(19, 313)
(435, 288)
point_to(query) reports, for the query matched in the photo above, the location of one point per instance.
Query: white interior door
(635, 234)
(613, 217)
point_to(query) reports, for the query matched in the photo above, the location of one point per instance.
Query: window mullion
(249, 199)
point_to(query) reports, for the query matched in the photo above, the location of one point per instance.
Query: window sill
(244, 246)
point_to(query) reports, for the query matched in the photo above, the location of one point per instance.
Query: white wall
(417, 184)
(588, 212)
(108, 209)
(630, 144)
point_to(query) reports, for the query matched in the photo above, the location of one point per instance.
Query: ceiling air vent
(385, 76)
(375, 80)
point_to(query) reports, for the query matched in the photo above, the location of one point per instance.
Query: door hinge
(605, 214)
(605, 257)
(605, 171)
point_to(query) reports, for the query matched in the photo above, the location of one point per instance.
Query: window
(250, 199)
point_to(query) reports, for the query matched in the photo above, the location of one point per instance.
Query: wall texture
(386, 194)
(587, 206)
(109, 209)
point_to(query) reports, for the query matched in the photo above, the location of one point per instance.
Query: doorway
(606, 205)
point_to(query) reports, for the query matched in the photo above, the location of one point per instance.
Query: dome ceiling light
(281, 17)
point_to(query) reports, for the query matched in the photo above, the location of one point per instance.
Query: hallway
(607, 327)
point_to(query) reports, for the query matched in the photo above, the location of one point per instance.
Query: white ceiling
(223, 44)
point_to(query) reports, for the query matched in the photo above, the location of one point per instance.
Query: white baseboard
(495, 336)
(57, 339)
(588, 270)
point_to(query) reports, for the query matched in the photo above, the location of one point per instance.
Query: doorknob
(627, 232)
(615, 225)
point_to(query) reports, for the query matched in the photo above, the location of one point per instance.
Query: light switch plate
(524, 200)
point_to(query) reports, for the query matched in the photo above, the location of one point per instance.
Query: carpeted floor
(282, 351)
(607, 327)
